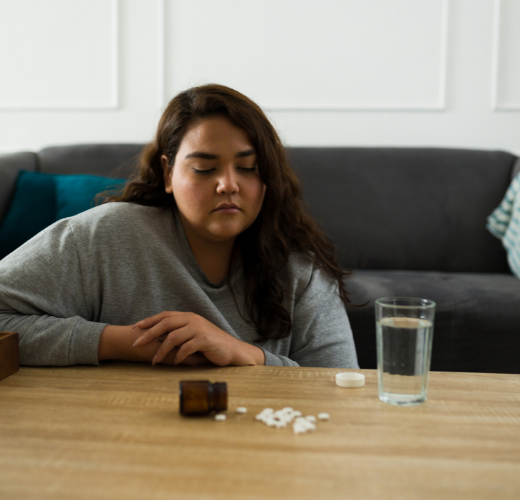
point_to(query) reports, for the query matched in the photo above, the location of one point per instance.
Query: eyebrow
(210, 156)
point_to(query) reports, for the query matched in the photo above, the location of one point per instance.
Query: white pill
(323, 416)
(241, 409)
(297, 413)
(287, 409)
(220, 417)
(311, 418)
(268, 410)
(271, 422)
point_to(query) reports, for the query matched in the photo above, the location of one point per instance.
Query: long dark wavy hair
(283, 225)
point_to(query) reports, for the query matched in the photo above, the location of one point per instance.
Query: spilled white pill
(241, 410)
(311, 418)
(323, 416)
(219, 417)
(298, 429)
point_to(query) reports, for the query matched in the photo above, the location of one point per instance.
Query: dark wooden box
(9, 354)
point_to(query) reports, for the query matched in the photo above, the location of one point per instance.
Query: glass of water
(404, 330)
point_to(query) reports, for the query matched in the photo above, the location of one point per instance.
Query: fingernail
(137, 342)
(154, 360)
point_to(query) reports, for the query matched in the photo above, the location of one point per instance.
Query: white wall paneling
(327, 72)
(59, 54)
(326, 55)
(505, 83)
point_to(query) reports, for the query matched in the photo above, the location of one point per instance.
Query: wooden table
(114, 432)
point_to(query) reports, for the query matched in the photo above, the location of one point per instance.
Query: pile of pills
(281, 418)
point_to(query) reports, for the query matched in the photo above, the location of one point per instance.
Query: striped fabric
(504, 223)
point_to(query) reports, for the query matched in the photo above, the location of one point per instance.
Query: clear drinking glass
(404, 332)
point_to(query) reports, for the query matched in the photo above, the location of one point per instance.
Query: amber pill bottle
(201, 397)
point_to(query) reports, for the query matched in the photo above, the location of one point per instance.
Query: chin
(225, 232)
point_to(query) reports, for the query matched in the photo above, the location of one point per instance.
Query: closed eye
(197, 171)
(207, 171)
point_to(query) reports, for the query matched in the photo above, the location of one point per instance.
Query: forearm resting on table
(116, 343)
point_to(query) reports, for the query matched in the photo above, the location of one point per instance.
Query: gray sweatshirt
(121, 262)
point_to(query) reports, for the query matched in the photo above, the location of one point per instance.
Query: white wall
(327, 72)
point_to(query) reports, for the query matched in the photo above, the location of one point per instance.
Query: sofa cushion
(476, 322)
(41, 199)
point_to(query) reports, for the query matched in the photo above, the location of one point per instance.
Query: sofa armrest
(10, 165)
(516, 169)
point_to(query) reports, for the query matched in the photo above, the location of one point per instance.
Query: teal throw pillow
(42, 199)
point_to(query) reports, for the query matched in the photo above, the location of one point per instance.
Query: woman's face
(215, 181)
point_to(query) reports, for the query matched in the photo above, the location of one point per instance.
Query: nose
(227, 182)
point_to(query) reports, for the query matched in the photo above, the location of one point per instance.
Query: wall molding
(161, 54)
(495, 61)
(114, 91)
(440, 105)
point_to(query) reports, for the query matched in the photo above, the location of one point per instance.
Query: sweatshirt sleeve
(42, 298)
(321, 334)
(277, 359)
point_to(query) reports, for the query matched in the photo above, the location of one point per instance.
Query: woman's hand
(148, 351)
(191, 334)
(116, 343)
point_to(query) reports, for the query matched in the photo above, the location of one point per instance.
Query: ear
(167, 174)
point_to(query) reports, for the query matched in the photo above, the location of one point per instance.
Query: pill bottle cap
(350, 379)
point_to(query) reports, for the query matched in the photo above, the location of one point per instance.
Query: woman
(213, 232)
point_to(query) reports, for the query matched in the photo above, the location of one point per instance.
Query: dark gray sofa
(409, 221)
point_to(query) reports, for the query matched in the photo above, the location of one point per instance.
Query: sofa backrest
(407, 208)
(383, 208)
(115, 160)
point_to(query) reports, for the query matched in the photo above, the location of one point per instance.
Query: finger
(174, 339)
(166, 325)
(190, 347)
(169, 359)
(153, 320)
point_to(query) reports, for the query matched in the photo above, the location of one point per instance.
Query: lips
(227, 208)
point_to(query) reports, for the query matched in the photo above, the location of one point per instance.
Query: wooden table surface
(115, 432)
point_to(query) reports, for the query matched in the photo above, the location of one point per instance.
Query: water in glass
(404, 359)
